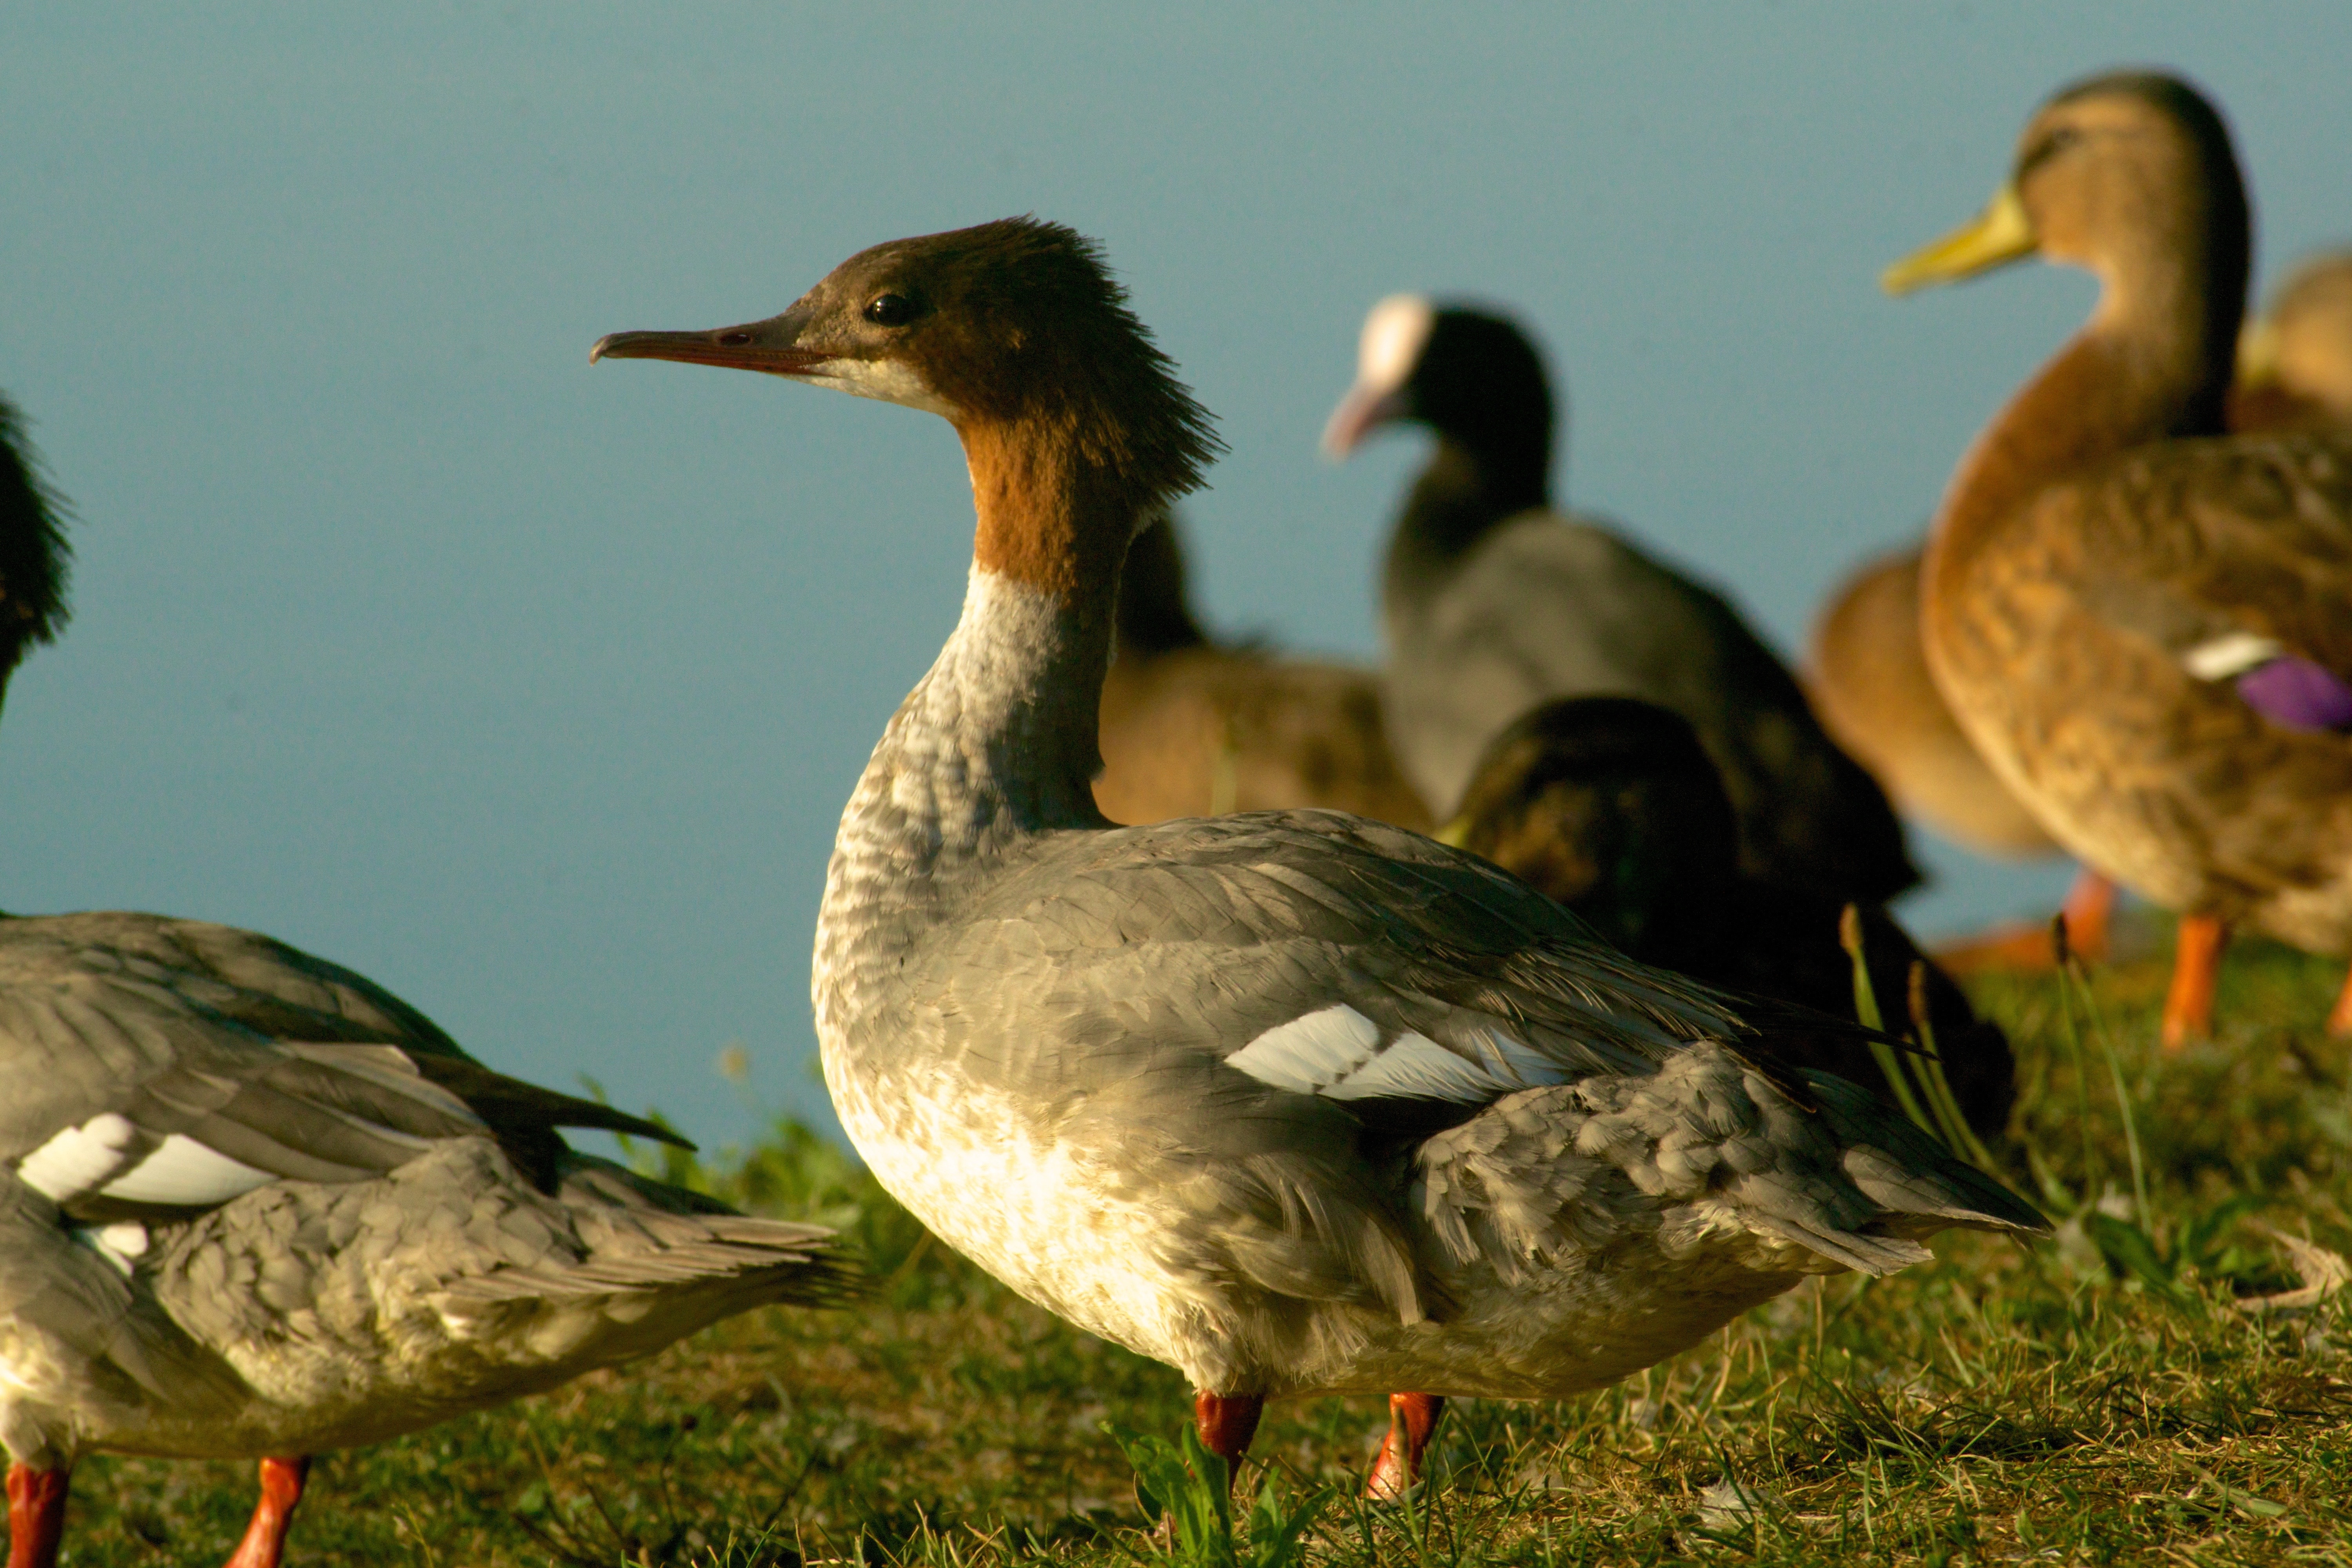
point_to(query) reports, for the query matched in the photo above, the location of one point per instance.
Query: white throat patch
(885, 380)
(1394, 334)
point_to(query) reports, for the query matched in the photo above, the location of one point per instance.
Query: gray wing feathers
(92, 1022)
(425, 1282)
(1702, 1153)
(1908, 1174)
(78, 1338)
(121, 1033)
(1142, 990)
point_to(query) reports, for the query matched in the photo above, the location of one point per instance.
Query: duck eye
(890, 310)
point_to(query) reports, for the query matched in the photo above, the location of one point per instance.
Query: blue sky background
(534, 691)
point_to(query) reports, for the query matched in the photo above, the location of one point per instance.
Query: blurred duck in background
(1868, 678)
(1493, 602)
(2295, 364)
(1867, 671)
(1195, 727)
(2145, 626)
(1612, 807)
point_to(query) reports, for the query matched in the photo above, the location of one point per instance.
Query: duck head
(2129, 175)
(1073, 423)
(1469, 374)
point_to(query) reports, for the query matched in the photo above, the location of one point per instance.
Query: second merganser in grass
(1295, 1101)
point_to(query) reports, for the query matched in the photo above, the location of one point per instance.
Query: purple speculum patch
(2298, 694)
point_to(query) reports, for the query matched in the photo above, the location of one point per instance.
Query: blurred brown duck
(2295, 365)
(1194, 728)
(1614, 807)
(2143, 625)
(1868, 673)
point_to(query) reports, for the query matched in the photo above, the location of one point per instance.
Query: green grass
(2097, 1399)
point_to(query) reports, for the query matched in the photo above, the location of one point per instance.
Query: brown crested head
(1010, 325)
(2131, 174)
(33, 555)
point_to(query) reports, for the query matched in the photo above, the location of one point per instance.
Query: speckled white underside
(1650, 1277)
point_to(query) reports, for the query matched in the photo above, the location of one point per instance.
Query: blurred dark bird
(1612, 807)
(2143, 625)
(33, 555)
(1194, 728)
(1493, 602)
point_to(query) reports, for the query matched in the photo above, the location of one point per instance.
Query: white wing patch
(1415, 1066)
(1339, 1052)
(120, 1245)
(1307, 1055)
(81, 1158)
(183, 1171)
(108, 1155)
(2231, 654)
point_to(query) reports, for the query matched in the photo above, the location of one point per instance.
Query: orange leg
(1227, 1422)
(2019, 946)
(2088, 904)
(37, 1515)
(2339, 1017)
(1412, 1422)
(281, 1489)
(2196, 966)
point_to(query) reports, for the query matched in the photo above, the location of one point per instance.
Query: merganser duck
(2295, 364)
(1192, 728)
(2140, 623)
(1611, 805)
(252, 1205)
(1493, 602)
(1295, 1101)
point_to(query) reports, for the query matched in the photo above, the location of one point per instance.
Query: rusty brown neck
(1001, 737)
(1050, 517)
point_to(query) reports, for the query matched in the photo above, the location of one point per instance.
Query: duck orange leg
(2196, 968)
(1412, 1422)
(2089, 903)
(2339, 1017)
(1227, 1422)
(281, 1489)
(37, 1515)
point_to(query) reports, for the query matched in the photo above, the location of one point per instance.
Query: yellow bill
(2258, 355)
(1455, 834)
(2002, 233)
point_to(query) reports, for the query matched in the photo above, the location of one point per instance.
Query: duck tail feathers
(1921, 1185)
